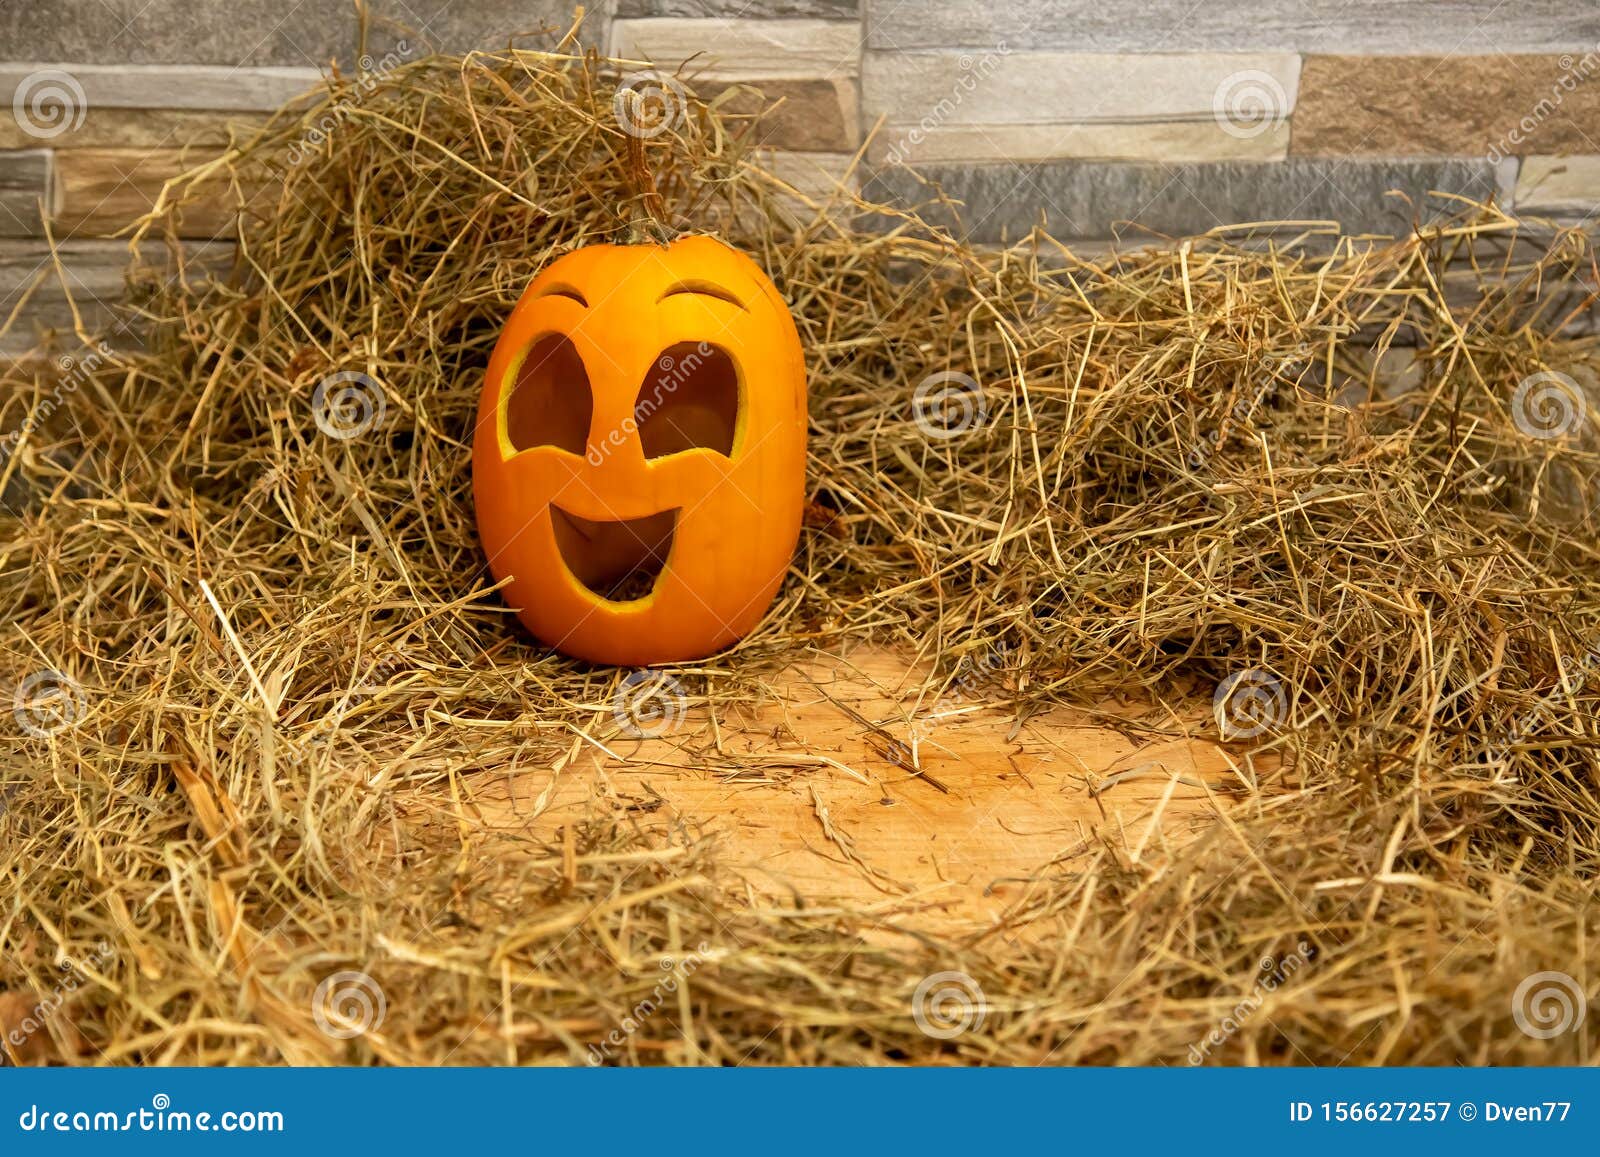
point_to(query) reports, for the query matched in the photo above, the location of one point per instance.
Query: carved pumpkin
(639, 460)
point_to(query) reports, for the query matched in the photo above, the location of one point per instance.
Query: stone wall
(1101, 119)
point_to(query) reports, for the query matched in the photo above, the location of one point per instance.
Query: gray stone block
(93, 276)
(1385, 27)
(267, 32)
(1086, 200)
(57, 99)
(24, 181)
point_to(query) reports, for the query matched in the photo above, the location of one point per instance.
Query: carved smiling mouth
(618, 560)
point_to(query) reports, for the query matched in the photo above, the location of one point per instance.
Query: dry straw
(287, 675)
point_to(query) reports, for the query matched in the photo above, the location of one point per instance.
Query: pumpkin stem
(651, 223)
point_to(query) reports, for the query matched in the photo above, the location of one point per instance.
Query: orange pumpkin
(639, 460)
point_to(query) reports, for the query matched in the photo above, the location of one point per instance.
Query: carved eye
(550, 402)
(689, 399)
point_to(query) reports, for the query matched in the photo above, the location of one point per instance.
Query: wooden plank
(1455, 27)
(807, 808)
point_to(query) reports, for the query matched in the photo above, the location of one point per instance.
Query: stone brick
(806, 181)
(303, 33)
(1080, 199)
(745, 9)
(1029, 87)
(1160, 141)
(77, 88)
(1559, 186)
(808, 115)
(138, 128)
(1033, 106)
(1448, 105)
(93, 278)
(741, 49)
(24, 182)
(1371, 26)
(100, 192)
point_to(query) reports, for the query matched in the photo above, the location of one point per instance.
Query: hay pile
(1191, 463)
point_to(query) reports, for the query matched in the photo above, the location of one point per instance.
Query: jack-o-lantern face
(639, 460)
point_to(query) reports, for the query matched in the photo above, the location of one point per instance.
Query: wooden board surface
(811, 806)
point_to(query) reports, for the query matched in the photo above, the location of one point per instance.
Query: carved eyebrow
(702, 289)
(567, 291)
